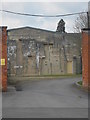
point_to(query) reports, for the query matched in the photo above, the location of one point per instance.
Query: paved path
(46, 98)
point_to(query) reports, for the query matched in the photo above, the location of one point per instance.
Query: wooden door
(69, 67)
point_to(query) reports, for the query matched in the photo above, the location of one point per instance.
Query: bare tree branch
(81, 22)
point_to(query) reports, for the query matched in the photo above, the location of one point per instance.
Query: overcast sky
(45, 8)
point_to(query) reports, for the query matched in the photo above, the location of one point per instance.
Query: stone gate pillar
(3, 57)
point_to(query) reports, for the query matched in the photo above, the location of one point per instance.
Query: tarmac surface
(57, 98)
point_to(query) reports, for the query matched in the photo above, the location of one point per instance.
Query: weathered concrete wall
(22, 57)
(39, 52)
(12, 48)
(3, 57)
(50, 64)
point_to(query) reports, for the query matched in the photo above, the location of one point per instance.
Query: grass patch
(56, 75)
(80, 83)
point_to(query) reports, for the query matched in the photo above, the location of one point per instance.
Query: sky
(44, 8)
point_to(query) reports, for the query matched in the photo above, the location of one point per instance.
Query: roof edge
(32, 28)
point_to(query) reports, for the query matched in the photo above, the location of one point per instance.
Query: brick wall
(85, 58)
(3, 57)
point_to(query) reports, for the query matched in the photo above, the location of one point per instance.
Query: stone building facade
(34, 51)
